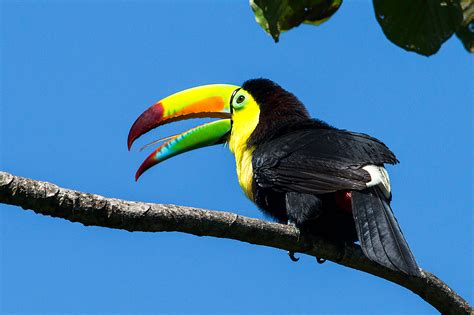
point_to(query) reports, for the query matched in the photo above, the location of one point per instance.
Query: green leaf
(466, 32)
(279, 16)
(421, 26)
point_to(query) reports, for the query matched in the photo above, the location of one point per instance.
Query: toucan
(298, 170)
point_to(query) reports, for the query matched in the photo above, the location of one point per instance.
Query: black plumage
(379, 233)
(318, 160)
(301, 166)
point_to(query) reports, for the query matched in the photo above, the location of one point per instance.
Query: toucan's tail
(379, 234)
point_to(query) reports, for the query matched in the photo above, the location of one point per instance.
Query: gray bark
(90, 209)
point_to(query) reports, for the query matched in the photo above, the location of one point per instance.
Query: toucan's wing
(318, 160)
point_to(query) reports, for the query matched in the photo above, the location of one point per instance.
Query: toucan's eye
(239, 101)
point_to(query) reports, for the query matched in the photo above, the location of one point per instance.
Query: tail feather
(379, 233)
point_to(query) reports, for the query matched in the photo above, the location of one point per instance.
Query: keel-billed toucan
(328, 181)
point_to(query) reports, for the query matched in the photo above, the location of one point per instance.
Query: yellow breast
(245, 172)
(243, 160)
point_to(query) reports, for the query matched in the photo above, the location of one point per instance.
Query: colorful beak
(203, 101)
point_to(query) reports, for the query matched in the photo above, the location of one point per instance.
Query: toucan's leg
(301, 208)
(290, 253)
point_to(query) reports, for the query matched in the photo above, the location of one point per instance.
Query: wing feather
(318, 160)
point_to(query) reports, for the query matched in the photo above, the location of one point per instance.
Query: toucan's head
(249, 114)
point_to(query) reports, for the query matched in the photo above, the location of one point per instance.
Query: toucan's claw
(292, 256)
(320, 260)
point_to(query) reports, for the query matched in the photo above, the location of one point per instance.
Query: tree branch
(89, 209)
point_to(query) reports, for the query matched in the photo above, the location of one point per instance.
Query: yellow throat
(244, 122)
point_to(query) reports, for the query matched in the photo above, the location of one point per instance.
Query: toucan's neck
(278, 109)
(273, 129)
(243, 125)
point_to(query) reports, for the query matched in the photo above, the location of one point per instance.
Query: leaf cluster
(421, 26)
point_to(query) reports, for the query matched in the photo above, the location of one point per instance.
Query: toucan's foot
(290, 253)
(297, 230)
(320, 260)
(292, 256)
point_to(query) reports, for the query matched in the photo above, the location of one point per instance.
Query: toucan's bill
(203, 101)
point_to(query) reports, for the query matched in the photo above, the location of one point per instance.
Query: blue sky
(74, 76)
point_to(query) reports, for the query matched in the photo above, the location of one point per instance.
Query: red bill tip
(150, 119)
(148, 163)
